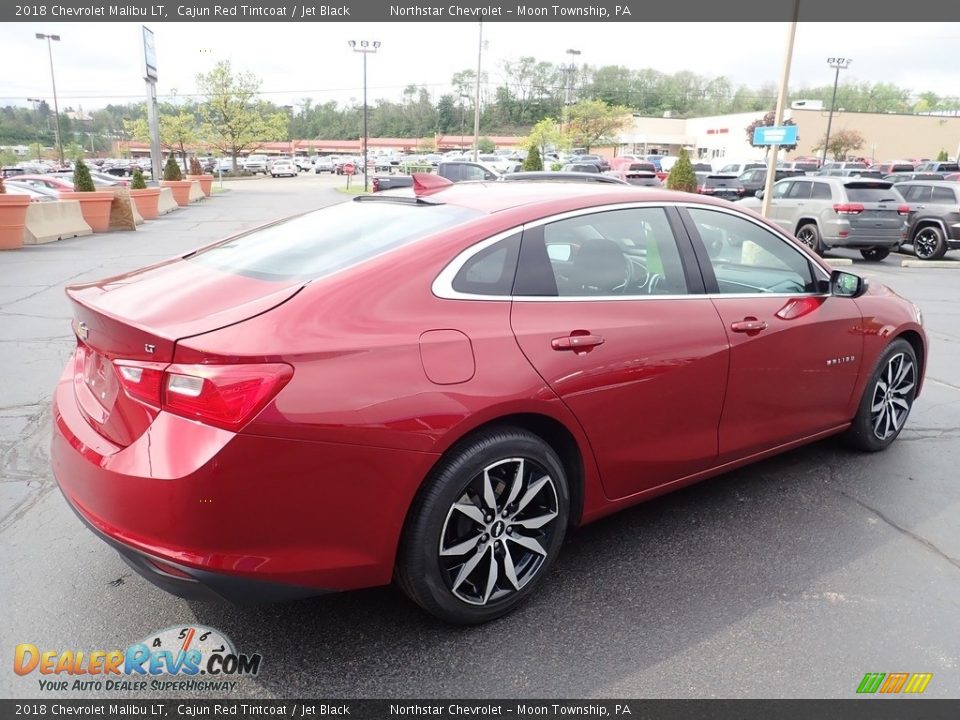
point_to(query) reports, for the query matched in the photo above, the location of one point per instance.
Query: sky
(100, 63)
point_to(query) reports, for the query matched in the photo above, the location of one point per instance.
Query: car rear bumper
(856, 240)
(204, 512)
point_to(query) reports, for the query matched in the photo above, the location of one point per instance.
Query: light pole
(476, 107)
(838, 63)
(571, 68)
(366, 47)
(53, 80)
(36, 108)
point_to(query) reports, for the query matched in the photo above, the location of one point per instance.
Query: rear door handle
(576, 342)
(750, 326)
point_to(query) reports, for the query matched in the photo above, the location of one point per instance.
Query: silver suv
(826, 212)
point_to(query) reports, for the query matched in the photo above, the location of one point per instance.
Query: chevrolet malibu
(433, 389)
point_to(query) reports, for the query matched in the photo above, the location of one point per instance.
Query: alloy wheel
(495, 535)
(925, 243)
(807, 237)
(892, 396)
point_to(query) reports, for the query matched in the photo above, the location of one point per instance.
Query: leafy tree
(82, 182)
(768, 120)
(171, 171)
(195, 167)
(177, 132)
(485, 145)
(546, 134)
(235, 120)
(942, 156)
(682, 177)
(841, 143)
(592, 122)
(137, 182)
(532, 161)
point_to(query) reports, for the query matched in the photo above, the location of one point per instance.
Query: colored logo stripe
(893, 683)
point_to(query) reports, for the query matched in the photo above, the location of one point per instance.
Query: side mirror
(844, 284)
(758, 194)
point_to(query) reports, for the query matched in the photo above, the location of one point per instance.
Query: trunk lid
(141, 316)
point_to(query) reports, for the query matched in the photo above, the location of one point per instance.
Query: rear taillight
(903, 210)
(226, 396)
(848, 209)
(375, 184)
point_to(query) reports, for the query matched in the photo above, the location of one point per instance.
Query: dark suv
(933, 226)
(756, 179)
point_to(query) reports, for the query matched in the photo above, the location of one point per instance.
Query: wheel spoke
(509, 570)
(488, 497)
(878, 421)
(468, 567)
(531, 493)
(471, 511)
(461, 548)
(900, 402)
(903, 390)
(878, 405)
(528, 543)
(517, 484)
(535, 522)
(492, 576)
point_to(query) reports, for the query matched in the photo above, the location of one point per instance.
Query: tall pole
(53, 81)
(153, 122)
(366, 47)
(778, 113)
(36, 109)
(570, 72)
(839, 64)
(476, 109)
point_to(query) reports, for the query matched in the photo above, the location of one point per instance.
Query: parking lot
(789, 578)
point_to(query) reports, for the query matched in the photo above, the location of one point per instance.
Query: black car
(581, 167)
(933, 225)
(602, 163)
(756, 179)
(726, 187)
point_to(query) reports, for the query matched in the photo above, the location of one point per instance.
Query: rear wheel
(486, 528)
(809, 235)
(928, 243)
(887, 399)
(875, 254)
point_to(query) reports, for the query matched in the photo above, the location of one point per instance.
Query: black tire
(928, 243)
(449, 513)
(875, 254)
(878, 402)
(809, 235)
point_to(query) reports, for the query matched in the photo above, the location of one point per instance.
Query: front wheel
(928, 243)
(887, 399)
(875, 254)
(486, 528)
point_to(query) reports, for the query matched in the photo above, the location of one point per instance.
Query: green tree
(485, 145)
(235, 120)
(942, 156)
(177, 132)
(532, 161)
(137, 182)
(841, 143)
(593, 122)
(545, 135)
(682, 177)
(82, 182)
(171, 171)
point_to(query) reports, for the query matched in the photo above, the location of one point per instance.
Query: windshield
(324, 241)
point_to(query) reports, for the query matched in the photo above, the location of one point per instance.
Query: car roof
(493, 197)
(931, 183)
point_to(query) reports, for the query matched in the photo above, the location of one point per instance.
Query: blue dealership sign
(775, 135)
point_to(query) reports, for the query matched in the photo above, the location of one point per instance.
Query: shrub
(3, 188)
(138, 183)
(171, 171)
(82, 182)
(533, 162)
(195, 167)
(556, 167)
(486, 145)
(942, 156)
(682, 176)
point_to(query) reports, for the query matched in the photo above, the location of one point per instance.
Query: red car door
(795, 351)
(604, 309)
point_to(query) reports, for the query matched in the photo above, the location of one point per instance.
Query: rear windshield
(324, 241)
(872, 192)
(805, 166)
(949, 167)
(713, 181)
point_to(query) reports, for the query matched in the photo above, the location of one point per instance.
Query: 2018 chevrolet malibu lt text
(434, 388)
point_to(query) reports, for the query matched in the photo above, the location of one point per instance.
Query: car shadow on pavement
(628, 592)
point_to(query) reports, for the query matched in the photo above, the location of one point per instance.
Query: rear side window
(799, 191)
(916, 193)
(870, 192)
(490, 271)
(821, 191)
(943, 196)
(324, 241)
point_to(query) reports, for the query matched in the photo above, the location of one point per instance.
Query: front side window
(747, 258)
(626, 253)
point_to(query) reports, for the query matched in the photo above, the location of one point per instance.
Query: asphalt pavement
(789, 578)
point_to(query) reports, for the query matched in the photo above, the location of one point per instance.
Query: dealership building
(887, 136)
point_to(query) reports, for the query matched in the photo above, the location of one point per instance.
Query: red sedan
(434, 388)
